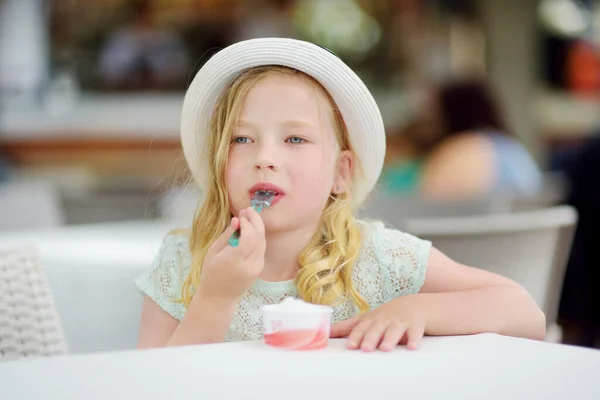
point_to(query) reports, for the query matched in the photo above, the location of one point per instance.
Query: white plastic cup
(296, 325)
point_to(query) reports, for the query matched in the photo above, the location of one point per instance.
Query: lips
(269, 187)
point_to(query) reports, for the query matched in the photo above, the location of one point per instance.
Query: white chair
(396, 210)
(25, 205)
(529, 247)
(29, 322)
(90, 270)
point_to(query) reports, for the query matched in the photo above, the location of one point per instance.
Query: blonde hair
(326, 264)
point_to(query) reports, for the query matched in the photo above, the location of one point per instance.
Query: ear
(343, 173)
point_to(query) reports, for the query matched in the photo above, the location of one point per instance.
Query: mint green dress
(391, 263)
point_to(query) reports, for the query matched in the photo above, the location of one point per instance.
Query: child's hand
(400, 321)
(228, 272)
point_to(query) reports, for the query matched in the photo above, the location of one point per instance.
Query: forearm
(505, 310)
(204, 322)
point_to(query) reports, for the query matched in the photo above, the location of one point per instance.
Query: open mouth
(266, 189)
(266, 192)
(276, 195)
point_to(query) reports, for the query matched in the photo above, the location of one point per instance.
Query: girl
(290, 117)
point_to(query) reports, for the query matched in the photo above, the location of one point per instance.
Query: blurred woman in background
(459, 147)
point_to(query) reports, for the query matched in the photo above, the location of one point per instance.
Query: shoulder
(174, 256)
(375, 232)
(386, 241)
(177, 242)
(446, 166)
(174, 250)
(398, 260)
(164, 279)
(473, 145)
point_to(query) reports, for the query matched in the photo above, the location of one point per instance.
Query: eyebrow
(287, 124)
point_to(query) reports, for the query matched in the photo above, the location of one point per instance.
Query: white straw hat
(355, 103)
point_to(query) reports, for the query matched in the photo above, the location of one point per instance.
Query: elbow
(523, 317)
(533, 319)
(536, 324)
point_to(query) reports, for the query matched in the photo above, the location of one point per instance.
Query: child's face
(285, 137)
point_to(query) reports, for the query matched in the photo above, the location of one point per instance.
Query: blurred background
(492, 104)
(91, 91)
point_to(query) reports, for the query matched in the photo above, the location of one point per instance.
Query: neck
(281, 255)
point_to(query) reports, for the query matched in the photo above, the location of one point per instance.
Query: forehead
(287, 94)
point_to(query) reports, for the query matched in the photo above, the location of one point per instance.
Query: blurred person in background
(143, 55)
(459, 147)
(4, 168)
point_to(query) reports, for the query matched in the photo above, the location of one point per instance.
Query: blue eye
(241, 140)
(296, 140)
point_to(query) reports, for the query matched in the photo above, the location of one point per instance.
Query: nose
(267, 157)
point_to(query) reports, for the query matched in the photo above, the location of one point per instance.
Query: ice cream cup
(296, 325)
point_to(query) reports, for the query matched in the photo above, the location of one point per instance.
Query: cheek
(233, 175)
(230, 174)
(234, 167)
(314, 180)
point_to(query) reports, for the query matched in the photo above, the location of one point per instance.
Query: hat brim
(356, 104)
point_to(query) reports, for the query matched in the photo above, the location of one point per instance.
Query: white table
(470, 367)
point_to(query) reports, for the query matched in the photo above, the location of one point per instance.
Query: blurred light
(565, 17)
(340, 25)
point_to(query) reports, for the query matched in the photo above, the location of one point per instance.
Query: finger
(358, 333)
(373, 336)
(247, 237)
(415, 335)
(256, 221)
(392, 337)
(258, 251)
(343, 329)
(222, 241)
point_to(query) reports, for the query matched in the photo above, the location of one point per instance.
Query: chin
(274, 224)
(281, 222)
